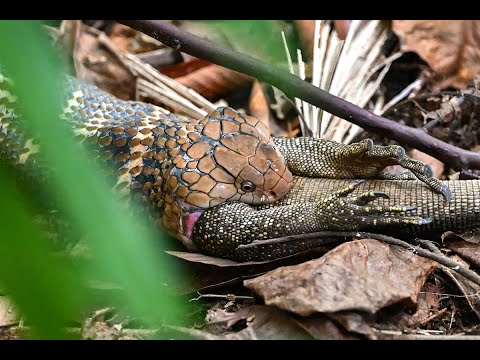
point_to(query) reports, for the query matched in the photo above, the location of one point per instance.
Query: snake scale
(222, 181)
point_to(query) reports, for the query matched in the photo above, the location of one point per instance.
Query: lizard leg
(222, 229)
(323, 158)
(415, 168)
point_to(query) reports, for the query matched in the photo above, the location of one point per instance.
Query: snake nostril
(272, 193)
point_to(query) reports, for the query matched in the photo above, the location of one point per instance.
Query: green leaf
(125, 249)
(261, 39)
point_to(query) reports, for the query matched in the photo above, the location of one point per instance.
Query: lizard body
(305, 209)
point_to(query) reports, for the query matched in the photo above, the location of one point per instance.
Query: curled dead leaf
(267, 323)
(211, 260)
(469, 290)
(450, 47)
(209, 273)
(258, 104)
(96, 65)
(466, 249)
(320, 327)
(355, 322)
(214, 81)
(363, 275)
(306, 33)
(129, 40)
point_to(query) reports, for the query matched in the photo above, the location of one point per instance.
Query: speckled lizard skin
(202, 176)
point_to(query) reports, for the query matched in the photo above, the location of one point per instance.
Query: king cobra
(200, 175)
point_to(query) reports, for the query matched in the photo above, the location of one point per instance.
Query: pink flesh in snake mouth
(189, 221)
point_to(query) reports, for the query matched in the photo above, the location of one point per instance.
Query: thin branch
(454, 266)
(326, 237)
(293, 86)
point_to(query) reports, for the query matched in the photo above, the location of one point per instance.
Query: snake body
(201, 177)
(181, 166)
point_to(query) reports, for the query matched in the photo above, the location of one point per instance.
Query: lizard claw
(426, 221)
(395, 155)
(446, 192)
(356, 211)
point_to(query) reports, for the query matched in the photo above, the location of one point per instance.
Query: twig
(403, 94)
(430, 246)
(172, 36)
(429, 254)
(326, 237)
(229, 297)
(433, 317)
(455, 266)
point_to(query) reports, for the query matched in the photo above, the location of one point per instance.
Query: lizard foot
(356, 212)
(368, 160)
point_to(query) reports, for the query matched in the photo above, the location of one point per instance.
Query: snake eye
(248, 186)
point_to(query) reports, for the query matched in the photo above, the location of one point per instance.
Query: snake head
(242, 163)
(228, 157)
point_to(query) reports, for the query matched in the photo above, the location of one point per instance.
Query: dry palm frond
(351, 69)
(152, 83)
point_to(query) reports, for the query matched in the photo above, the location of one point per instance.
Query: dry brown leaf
(342, 27)
(359, 323)
(468, 289)
(321, 327)
(214, 81)
(210, 260)
(437, 166)
(96, 65)
(209, 273)
(467, 250)
(205, 275)
(450, 47)
(187, 66)
(306, 34)
(259, 108)
(394, 319)
(132, 41)
(428, 306)
(8, 315)
(160, 57)
(363, 275)
(258, 104)
(265, 323)
(220, 262)
(245, 334)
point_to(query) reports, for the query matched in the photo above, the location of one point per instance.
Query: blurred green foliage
(258, 38)
(49, 291)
